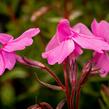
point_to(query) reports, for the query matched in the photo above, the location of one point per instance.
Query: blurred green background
(19, 88)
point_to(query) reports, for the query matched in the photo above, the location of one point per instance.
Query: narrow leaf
(53, 87)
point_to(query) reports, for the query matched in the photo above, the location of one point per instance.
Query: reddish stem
(83, 78)
(78, 97)
(66, 9)
(37, 64)
(66, 84)
(72, 98)
(55, 77)
(73, 79)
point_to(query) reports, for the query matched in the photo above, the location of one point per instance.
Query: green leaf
(15, 73)
(7, 94)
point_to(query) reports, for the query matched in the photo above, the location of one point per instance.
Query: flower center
(74, 33)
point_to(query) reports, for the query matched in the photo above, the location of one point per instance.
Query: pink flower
(8, 46)
(101, 60)
(69, 41)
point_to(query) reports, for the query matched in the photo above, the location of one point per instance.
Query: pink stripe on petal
(59, 53)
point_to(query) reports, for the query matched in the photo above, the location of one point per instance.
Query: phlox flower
(8, 46)
(68, 41)
(101, 60)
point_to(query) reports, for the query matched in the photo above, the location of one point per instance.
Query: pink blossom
(102, 60)
(8, 46)
(69, 41)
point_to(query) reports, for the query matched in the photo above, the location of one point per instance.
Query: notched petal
(21, 42)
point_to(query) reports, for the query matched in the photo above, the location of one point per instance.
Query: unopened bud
(42, 105)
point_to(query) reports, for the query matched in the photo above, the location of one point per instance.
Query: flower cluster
(70, 41)
(64, 48)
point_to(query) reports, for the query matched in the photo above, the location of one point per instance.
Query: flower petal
(77, 51)
(2, 64)
(91, 43)
(59, 53)
(54, 42)
(62, 33)
(63, 30)
(102, 61)
(101, 29)
(4, 38)
(83, 29)
(10, 59)
(21, 42)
